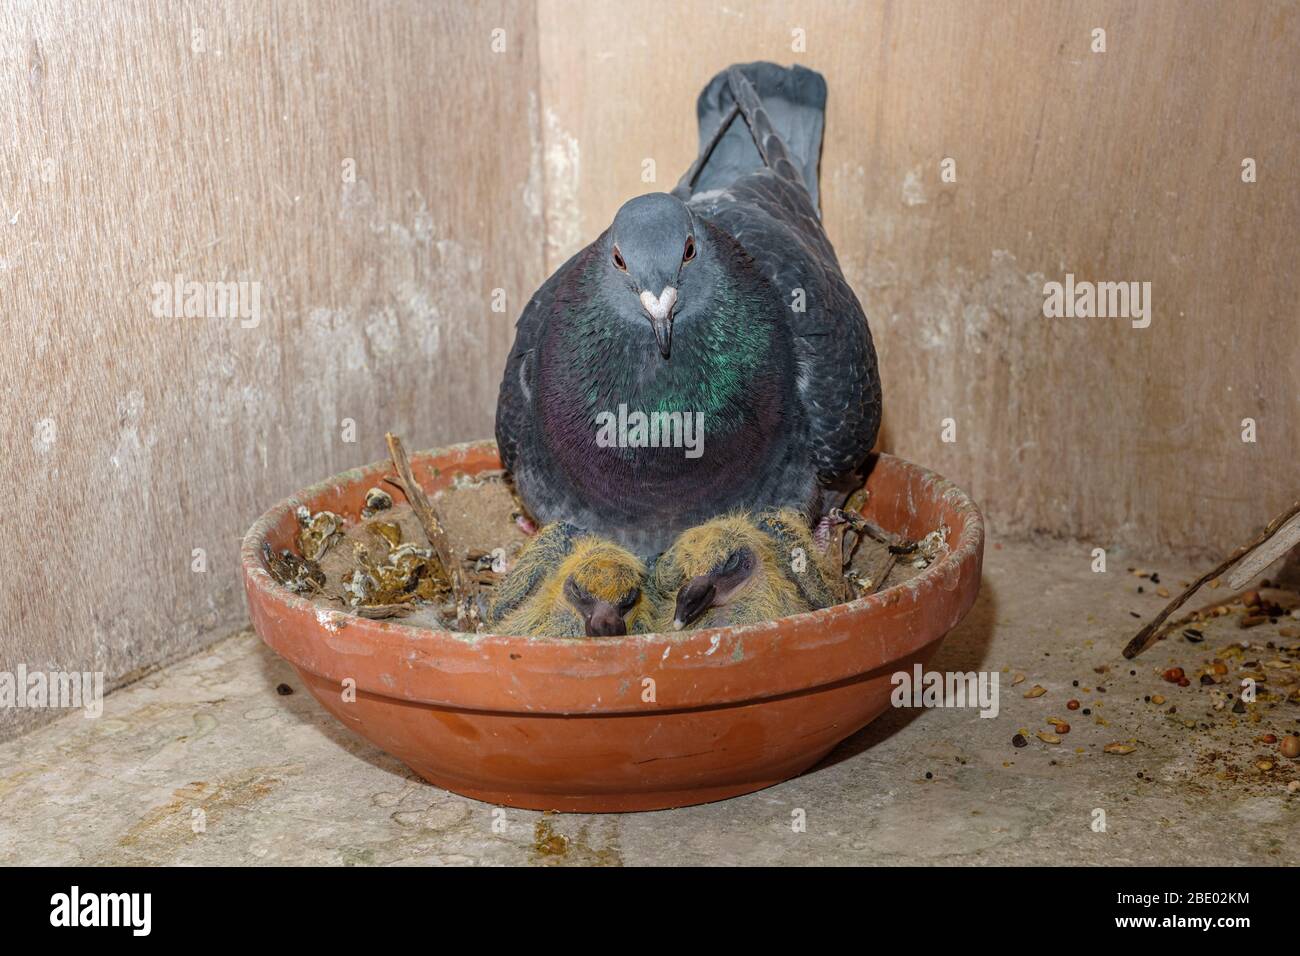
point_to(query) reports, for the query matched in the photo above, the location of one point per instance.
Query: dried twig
(464, 589)
(836, 559)
(1151, 632)
(380, 612)
(897, 544)
(850, 519)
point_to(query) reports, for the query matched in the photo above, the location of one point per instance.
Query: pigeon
(705, 353)
(567, 583)
(738, 569)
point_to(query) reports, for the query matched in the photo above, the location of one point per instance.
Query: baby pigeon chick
(568, 583)
(741, 569)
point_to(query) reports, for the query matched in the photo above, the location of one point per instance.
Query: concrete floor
(279, 781)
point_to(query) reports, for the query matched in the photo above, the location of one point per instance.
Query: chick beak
(660, 312)
(605, 621)
(693, 600)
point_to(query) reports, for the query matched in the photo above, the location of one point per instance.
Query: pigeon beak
(605, 621)
(693, 600)
(660, 312)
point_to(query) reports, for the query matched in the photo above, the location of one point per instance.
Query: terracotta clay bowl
(642, 722)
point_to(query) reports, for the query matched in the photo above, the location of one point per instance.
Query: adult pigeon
(705, 352)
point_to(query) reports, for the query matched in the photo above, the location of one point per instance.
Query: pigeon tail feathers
(784, 113)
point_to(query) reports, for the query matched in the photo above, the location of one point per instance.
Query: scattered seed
(284, 690)
(1047, 738)
(1118, 748)
(1266, 739)
(1162, 591)
(1157, 699)
(1072, 704)
(1290, 746)
(1184, 682)
(1206, 679)
(1253, 620)
(1036, 691)
(1193, 635)
(1017, 679)
(1220, 668)
(1264, 765)
(1019, 741)
(1173, 675)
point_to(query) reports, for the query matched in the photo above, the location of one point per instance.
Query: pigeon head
(652, 246)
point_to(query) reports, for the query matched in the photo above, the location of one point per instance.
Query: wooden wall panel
(1122, 165)
(130, 153)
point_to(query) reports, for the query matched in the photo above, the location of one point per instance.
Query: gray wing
(771, 213)
(772, 217)
(515, 411)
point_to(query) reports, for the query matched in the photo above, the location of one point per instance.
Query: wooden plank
(129, 157)
(1115, 166)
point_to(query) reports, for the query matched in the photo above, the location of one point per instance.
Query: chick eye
(689, 252)
(575, 594)
(618, 260)
(629, 600)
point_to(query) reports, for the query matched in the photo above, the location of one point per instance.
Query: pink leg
(526, 524)
(822, 533)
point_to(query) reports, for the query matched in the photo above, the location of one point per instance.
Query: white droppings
(563, 188)
(534, 188)
(44, 435)
(328, 619)
(913, 191)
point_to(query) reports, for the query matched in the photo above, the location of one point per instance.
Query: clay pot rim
(947, 568)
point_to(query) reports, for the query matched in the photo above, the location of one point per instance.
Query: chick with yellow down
(741, 569)
(568, 583)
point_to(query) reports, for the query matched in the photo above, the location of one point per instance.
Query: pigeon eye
(689, 253)
(618, 260)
